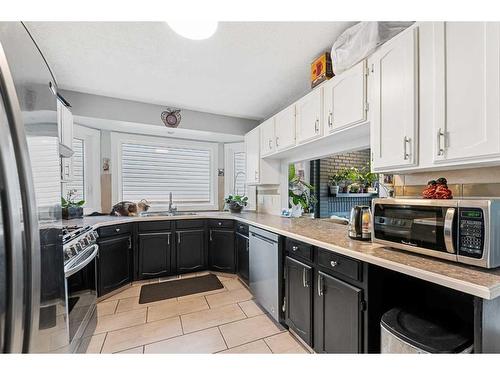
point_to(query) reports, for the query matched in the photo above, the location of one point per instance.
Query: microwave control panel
(471, 232)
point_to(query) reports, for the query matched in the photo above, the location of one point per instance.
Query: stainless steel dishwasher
(264, 269)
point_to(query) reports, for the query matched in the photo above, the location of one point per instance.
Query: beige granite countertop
(472, 280)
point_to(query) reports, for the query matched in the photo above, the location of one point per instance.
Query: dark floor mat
(179, 288)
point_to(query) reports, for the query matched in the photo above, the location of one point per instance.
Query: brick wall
(332, 164)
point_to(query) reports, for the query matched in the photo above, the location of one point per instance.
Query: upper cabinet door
(467, 117)
(309, 116)
(252, 144)
(393, 81)
(284, 127)
(345, 98)
(267, 142)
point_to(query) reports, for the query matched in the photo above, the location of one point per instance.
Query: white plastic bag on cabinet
(361, 40)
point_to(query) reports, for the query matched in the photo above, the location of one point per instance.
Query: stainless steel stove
(76, 240)
(80, 268)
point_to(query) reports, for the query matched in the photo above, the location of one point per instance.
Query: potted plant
(71, 209)
(354, 188)
(335, 181)
(302, 200)
(344, 178)
(367, 178)
(235, 203)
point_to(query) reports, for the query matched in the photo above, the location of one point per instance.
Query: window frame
(92, 167)
(230, 149)
(118, 139)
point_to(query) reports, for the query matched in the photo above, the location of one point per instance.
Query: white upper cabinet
(309, 116)
(393, 81)
(345, 99)
(267, 141)
(284, 126)
(467, 112)
(252, 146)
(259, 171)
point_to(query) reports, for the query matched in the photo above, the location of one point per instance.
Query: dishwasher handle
(265, 239)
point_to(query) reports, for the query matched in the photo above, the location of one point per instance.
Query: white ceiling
(247, 69)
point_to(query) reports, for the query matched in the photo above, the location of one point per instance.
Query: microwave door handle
(448, 230)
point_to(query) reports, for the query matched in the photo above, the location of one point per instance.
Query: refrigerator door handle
(11, 202)
(25, 204)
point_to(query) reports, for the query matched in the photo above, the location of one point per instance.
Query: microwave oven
(461, 230)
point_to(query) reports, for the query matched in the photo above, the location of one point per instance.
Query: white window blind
(78, 181)
(239, 173)
(45, 163)
(152, 171)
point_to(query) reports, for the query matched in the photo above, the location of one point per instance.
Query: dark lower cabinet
(154, 254)
(221, 250)
(299, 298)
(338, 311)
(114, 263)
(242, 253)
(190, 250)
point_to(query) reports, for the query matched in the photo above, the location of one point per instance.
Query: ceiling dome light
(194, 29)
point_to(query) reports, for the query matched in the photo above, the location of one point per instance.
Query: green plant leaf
(291, 172)
(80, 203)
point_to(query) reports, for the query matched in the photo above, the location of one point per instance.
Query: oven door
(422, 226)
(81, 290)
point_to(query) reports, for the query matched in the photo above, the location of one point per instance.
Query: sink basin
(165, 213)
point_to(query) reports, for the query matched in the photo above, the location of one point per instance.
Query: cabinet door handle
(320, 285)
(270, 143)
(277, 142)
(210, 234)
(179, 238)
(406, 154)
(129, 243)
(441, 142)
(168, 238)
(304, 278)
(295, 248)
(316, 126)
(256, 175)
(330, 119)
(334, 263)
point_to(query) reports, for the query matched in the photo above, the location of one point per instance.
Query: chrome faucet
(171, 207)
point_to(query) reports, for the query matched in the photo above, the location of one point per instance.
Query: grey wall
(104, 107)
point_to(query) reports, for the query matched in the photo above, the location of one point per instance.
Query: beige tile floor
(223, 321)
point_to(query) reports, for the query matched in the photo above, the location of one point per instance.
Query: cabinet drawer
(154, 226)
(215, 223)
(300, 249)
(114, 230)
(189, 224)
(337, 263)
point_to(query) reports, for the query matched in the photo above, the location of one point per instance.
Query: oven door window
(417, 226)
(82, 295)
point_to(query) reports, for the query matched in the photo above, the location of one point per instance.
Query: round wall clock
(171, 118)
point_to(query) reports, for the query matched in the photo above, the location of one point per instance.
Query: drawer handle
(334, 263)
(117, 229)
(295, 248)
(219, 223)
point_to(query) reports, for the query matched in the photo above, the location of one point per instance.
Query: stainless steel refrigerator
(32, 296)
